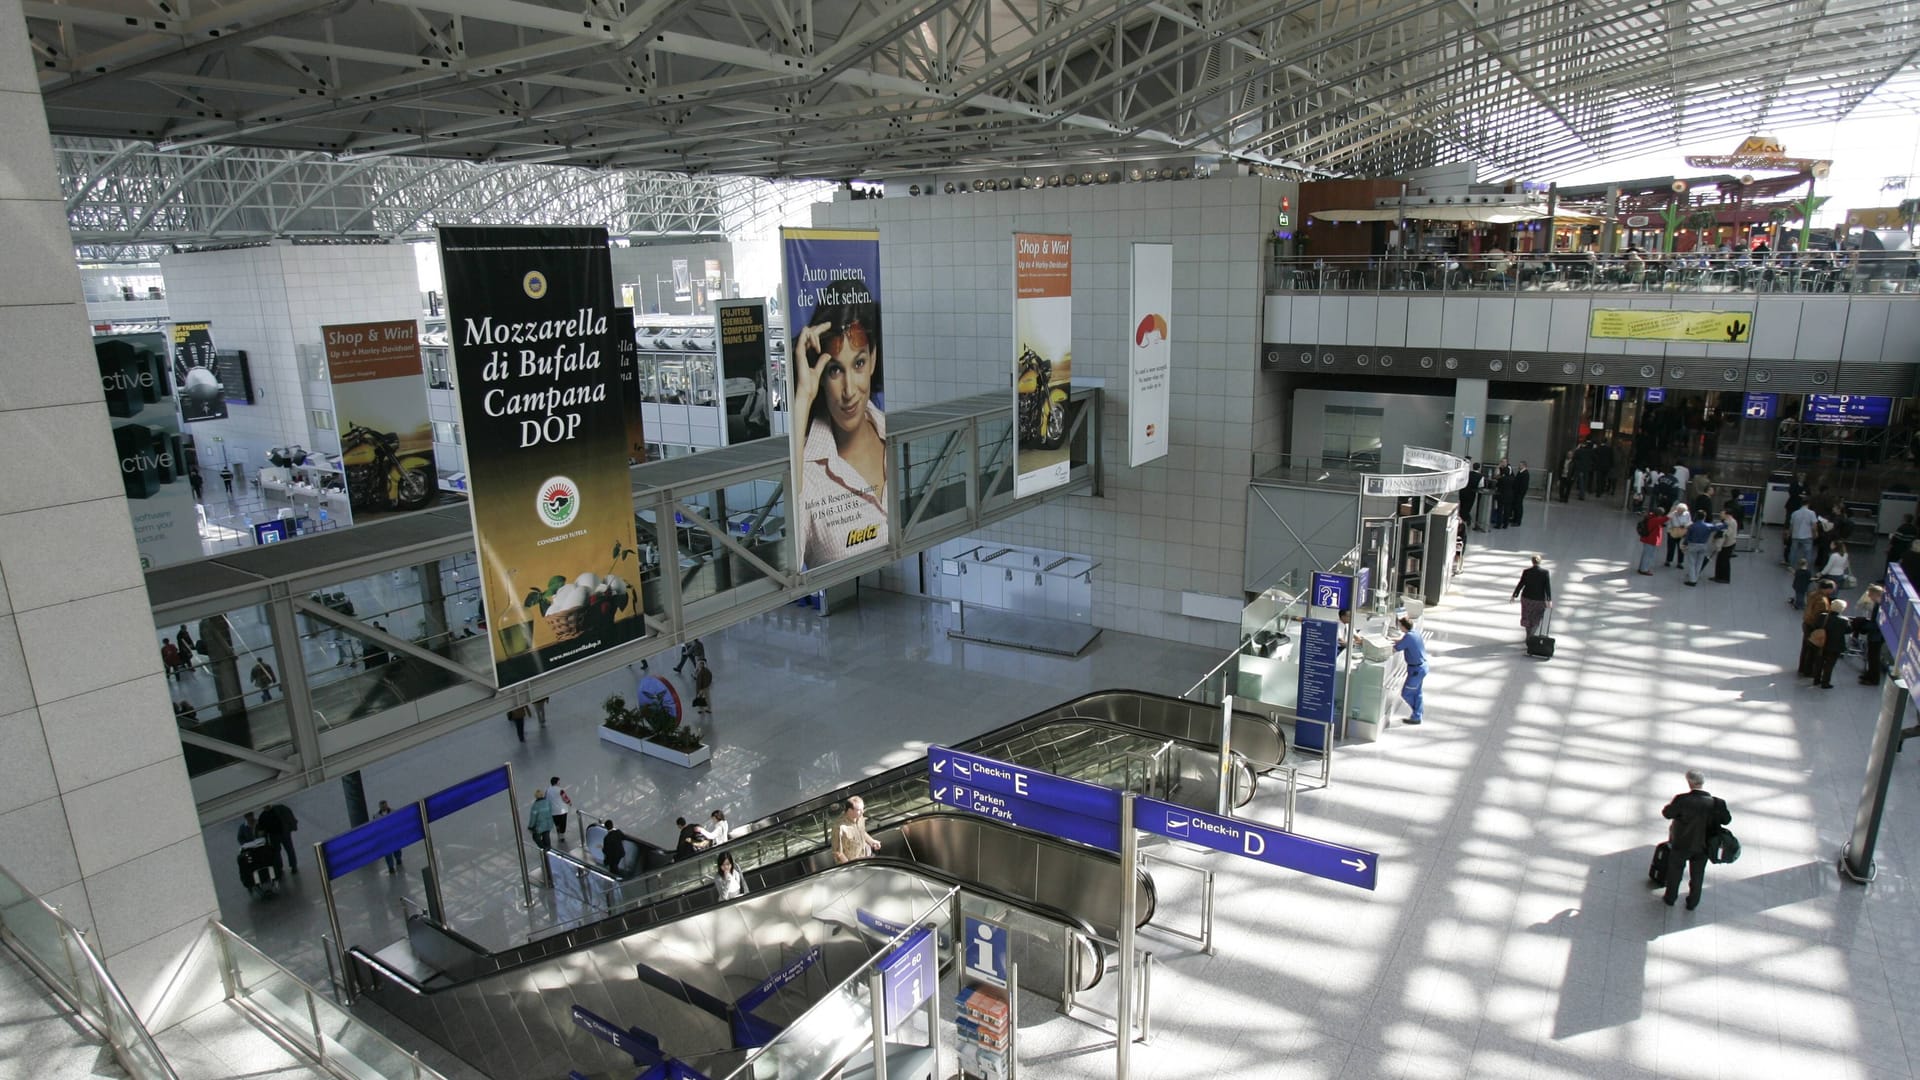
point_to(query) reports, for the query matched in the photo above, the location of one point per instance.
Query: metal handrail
(73, 940)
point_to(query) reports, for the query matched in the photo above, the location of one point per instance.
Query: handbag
(1818, 637)
(1848, 581)
(1724, 847)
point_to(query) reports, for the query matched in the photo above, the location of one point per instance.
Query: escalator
(507, 1012)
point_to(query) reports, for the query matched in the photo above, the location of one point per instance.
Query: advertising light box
(1760, 406)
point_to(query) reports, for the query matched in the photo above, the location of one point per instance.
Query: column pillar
(96, 814)
(1469, 399)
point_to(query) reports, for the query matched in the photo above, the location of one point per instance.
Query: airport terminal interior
(772, 540)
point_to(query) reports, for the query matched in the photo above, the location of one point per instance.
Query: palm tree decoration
(1806, 207)
(1776, 217)
(1671, 213)
(1700, 221)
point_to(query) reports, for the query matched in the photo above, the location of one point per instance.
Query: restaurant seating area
(1788, 272)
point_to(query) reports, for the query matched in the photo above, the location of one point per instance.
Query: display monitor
(1849, 410)
(1655, 395)
(1760, 406)
(1616, 393)
(271, 532)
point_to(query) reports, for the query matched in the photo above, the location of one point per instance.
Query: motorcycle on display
(378, 477)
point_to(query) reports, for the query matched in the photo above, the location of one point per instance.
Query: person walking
(1819, 601)
(1497, 488)
(716, 829)
(1697, 817)
(226, 477)
(1582, 470)
(1838, 566)
(693, 651)
(1829, 636)
(1723, 547)
(198, 482)
(1653, 533)
(613, 847)
(1470, 494)
(263, 679)
(561, 804)
(540, 710)
(851, 841)
(1699, 547)
(170, 658)
(392, 857)
(1866, 621)
(1678, 522)
(185, 641)
(1802, 581)
(278, 825)
(1517, 494)
(517, 716)
(540, 820)
(703, 687)
(1534, 590)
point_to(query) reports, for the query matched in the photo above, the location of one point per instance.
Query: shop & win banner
(1042, 359)
(838, 417)
(528, 312)
(1150, 358)
(380, 407)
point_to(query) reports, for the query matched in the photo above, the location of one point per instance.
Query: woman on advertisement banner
(843, 474)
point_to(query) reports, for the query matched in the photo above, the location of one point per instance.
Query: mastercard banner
(1042, 360)
(1150, 357)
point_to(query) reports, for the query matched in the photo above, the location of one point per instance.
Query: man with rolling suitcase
(1697, 818)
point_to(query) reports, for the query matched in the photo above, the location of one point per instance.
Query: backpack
(283, 814)
(1646, 527)
(1723, 847)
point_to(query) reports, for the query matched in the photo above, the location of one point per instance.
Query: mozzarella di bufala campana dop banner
(529, 314)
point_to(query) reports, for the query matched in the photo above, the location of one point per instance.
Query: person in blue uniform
(1414, 651)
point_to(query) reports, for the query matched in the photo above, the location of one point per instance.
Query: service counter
(1367, 681)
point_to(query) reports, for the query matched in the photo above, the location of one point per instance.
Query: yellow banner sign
(1724, 327)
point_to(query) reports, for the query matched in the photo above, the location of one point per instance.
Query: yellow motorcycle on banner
(379, 477)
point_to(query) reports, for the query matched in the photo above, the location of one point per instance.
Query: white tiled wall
(268, 300)
(1172, 526)
(95, 813)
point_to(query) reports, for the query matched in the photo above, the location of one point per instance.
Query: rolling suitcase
(1657, 870)
(1541, 644)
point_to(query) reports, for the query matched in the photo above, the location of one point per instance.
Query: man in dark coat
(1470, 494)
(1517, 484)
(1582, 469)
(1697, 817)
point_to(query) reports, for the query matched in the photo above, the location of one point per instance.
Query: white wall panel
(1277, 318)
(1363, 317)
(1866, 331)
(1823, 322)
(1423, 321)
(1458, 321)
(1306, 316)
(1902, 345)
(1494, 323)
(1333, 320)
(1392, 327)
(1530, 318)
(1568, 330)
(1776, 329)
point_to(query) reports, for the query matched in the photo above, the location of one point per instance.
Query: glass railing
(309, 1020)
(1882, 273)
(57, 950)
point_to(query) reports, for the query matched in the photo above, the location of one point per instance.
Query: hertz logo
(862, 534)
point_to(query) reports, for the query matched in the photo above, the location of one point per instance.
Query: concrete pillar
(1469, 399)
(96, 815)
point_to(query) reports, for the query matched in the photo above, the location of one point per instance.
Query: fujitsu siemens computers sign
(538, 371)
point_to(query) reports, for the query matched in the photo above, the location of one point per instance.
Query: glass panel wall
(434, 605)
(924, 476)
(223, 674)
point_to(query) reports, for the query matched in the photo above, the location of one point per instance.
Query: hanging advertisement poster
(628, 349)
(201, 396)
(528, 311)
(1043, 359)
(1150, 360)
(839, 423)
(742, 344)
(155, 461)
(682, 280)
(380, 407)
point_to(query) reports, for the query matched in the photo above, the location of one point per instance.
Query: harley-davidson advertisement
(380, 407)
(529, 316)
(1042, 359)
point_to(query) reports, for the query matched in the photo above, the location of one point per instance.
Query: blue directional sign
(1467, 426)
(908, 976)
(1363, 587)
(1332, 591)
(1100, 832)
(1335, 862)
(985, 956)
(1045, 789)
(1654, 395)
(1319, 648)
(1616, 393)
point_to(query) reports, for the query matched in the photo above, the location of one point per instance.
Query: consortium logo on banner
(838, 420)
(201, 395)
(529, 315)
(1722, 327)
(380, 405)
(628, 348)
(743, 370)
(1150, 359)
(1042, 359)
(155, 459)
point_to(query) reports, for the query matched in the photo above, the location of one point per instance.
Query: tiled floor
(1513, 934)
(36, 1026)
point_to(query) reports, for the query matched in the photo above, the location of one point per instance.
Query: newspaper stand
(986, 1008)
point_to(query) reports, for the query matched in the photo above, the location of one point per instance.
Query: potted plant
(652, 729)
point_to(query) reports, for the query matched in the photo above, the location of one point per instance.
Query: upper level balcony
(1887, 273)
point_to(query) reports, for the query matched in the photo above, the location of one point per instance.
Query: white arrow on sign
(940, 794)
(1358, 865)
(940, 765)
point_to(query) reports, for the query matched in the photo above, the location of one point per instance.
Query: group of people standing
(1505, 489)
(1693, 537)
(1587, 470)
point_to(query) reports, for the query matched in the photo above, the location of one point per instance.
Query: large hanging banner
(1150, 360)
(155, 462)
(380, 406)
(201, 395)
(744, 379)
(1724, 327)
(628, 349)
(528, 314)
(1042, 359)
(839, 423)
